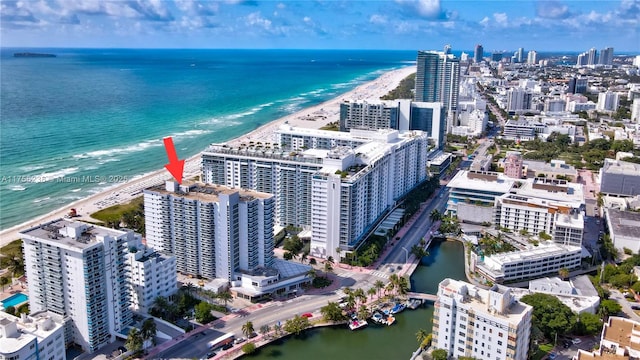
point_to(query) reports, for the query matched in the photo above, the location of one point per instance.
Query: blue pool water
(14, 300)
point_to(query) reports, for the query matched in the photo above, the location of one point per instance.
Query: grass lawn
(115, 212)
(543, 350)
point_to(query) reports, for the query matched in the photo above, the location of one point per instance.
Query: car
(552, 356)
(211, 354)
(239, 340)
(567, 344)
(307, 315)
(227, 346)
(576, 341)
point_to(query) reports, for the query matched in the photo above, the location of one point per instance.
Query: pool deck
(13, 289)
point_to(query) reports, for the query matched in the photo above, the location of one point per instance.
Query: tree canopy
(550, 315)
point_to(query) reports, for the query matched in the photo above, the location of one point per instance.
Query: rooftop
(544, 250)
(621, 167)
(481, 181)
(207, 192)
(71, 233)
(623, 223)
(619, 330)
(478, 299)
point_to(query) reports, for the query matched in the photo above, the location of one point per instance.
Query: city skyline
(399, 24)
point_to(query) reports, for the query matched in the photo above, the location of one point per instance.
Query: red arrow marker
(175, 166)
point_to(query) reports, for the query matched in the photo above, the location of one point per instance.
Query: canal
(446, 260)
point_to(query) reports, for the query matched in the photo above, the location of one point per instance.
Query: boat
(357, 324)
(378, 318)
(414, 304)
(390, 320)
(397, 308)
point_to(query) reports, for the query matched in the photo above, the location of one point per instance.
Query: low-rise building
(40, 335)
(546, 258)
(620, 178)
(620, 340)
(624, 227)
(483, 324)
(477, 188)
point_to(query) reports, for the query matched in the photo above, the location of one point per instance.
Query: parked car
(307, 315)
(227, 346)
(576, 341)
(239, 340)
(552, 356)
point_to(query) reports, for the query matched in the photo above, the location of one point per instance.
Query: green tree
(247, 329)
(588, 324)
(418, 251)
(435, 215)
(249, 348)
(203, 312)
(296, 325)
(312, 261)
(609, 307)
(550, 315)
(439, 354)
(225, 296)
(371, 291)
(134, 340)
(421, 335)
(148, 331)
(379, 285)
(563, 273)
(328, 268)
(277, 329)
(4, 281)
(264, 329)
(332, 312)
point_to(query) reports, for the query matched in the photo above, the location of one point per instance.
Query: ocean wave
(17, 188)
(30, 168)
(121, 150)
(191, 133)
(76, 190)
(49, 176)
(39, 200)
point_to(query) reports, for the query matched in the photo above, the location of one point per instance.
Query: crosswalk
(380, 274)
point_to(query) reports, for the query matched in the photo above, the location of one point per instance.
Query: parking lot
(587, 343)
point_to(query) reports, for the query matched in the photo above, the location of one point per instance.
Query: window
(500, 334)
(499, 343)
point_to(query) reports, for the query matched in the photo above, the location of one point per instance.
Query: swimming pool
(14, 300)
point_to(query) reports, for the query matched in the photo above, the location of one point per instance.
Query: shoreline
(313, 117)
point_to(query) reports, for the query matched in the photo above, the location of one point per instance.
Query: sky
(543, 25)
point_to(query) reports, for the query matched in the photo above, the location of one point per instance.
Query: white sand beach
(313, 117)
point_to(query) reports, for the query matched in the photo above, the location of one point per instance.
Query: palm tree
(379, 285)
(225, 296)
(363, 312)
(360, 295)
(148, 331)
(421, 335)
(402, 286)
(371, 291)
(435, 215)
(247, 329)
(190, 287)
(134, 340)
(330, 260)
(327, 267)
(312, 273)
(389, 288)
(303, 258)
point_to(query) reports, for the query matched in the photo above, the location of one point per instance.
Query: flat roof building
(620, 178)
(78, 270)
(473, 322)
(546, 258)
(37, 336)
(376, 170)
(624, 227)
(212, 230)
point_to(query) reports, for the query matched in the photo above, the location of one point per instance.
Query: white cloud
(256, 19)
(424, 8)
(501, 19)
(551, 9)
(307, 19)
(281, 6)
(378, 19)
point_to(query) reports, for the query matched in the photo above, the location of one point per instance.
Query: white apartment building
(477, 188)
(339, 192)
(544, 205)
(546, 258)
(212, 230)
(608, 101)
(151, 274)
(78, 270)
(368, 115)
(37, 336)
(483, 324)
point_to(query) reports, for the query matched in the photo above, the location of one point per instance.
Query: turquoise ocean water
(97, 113)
